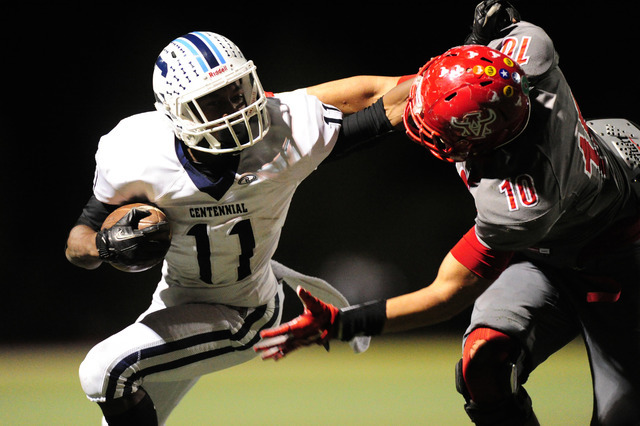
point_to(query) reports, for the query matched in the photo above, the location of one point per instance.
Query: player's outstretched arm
(454, 289)
(355, 93)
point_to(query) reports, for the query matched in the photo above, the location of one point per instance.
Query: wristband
(360, 129)
(365, 124)
(366, 319)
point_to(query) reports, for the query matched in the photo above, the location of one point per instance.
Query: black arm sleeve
(94, 213)
(359, 128)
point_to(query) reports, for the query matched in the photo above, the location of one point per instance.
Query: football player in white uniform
(555, 250)
(222, 158)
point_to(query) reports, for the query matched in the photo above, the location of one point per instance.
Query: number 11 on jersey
(243, 230)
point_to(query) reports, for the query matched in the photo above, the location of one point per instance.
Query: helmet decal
(206, 54)
(476, 124)
(162, 66)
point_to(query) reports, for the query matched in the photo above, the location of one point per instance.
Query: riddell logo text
(218, 71)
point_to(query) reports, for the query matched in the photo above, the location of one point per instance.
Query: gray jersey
(559, 197)
(553, 188)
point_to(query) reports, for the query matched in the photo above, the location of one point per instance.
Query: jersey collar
(214, 178)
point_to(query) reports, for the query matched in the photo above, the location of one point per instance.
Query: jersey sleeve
(530, 46)
(314, 128)
(480, 259)
(118, 160)
(135, 161)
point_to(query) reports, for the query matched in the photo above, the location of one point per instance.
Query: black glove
(489, 19)
(125, 244)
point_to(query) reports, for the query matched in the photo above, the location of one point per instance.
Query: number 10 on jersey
(519, 192)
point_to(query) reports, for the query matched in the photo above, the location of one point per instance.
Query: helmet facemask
(420, 131)
(242, 127)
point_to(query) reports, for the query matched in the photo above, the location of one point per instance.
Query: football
(162, 238)
(156, 215)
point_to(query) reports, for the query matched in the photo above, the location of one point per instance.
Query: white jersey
(224, 232)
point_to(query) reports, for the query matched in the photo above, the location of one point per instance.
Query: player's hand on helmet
(489, 19)
(316, 325)
(125, 244)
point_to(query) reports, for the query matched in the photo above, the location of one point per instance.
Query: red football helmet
(467, 101)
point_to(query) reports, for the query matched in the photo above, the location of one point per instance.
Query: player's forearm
(425, 307)
(352, 94)
(454, 289)
(81, 247)
(395, 101)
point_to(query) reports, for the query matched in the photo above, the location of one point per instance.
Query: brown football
(154, 218)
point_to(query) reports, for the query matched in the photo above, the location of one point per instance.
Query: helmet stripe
(200, 50)
(205, 51)
(213, 47)
(194, 52)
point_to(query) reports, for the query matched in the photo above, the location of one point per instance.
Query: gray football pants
(545, 308)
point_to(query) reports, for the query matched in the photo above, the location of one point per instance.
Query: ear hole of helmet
(451, 96)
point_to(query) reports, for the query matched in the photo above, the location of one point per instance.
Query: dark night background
(375, 225)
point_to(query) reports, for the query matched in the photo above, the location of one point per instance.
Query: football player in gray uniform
(555, 249)
(222, 159)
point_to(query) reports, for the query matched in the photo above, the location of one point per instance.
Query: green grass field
(399, 381)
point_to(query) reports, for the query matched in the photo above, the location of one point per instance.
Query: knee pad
(489, 365)
(487, 376)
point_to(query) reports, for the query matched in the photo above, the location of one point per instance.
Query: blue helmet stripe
(205, 51)
(213, 47)
(194, 52)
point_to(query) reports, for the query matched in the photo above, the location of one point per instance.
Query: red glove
(316, 325)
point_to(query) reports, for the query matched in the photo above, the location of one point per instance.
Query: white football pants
(167, 351)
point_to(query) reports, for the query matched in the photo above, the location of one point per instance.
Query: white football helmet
(199, 64)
